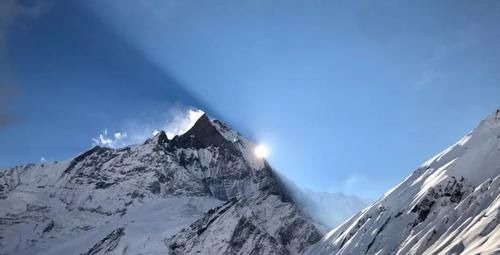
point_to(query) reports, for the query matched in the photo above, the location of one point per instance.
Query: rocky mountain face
(203, 192)
(449, 205)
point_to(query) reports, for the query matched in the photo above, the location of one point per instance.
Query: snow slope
(143, 199)
(449, 205)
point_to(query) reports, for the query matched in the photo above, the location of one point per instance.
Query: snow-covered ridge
(134, 199)
(449, 205)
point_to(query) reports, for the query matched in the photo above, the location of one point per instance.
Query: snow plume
(181, 122)
(177, 122)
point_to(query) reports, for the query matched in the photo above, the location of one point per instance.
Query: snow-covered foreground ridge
(449, 205)
(203, 192)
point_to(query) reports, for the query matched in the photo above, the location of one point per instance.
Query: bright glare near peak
(261, 151)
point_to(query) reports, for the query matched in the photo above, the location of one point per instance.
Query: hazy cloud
(351, 184)
(353, 180)
(7, 94)
(7, 119)
(14, 12)
(461, 42)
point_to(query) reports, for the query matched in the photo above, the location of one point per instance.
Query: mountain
(332, 209)
(203, 192)
(448, 205)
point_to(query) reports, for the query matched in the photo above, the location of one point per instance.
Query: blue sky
(350, 96)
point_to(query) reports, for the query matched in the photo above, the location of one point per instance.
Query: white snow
(449, 205)
(133, 199)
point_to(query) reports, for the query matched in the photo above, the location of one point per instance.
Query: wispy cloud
(116, 140)
(458, 43)
(354, 183)
(178, 121)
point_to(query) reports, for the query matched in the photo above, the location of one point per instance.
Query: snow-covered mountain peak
(492, 121)
(479, 149)
(203, 134)
(448, 205)
(119, 201)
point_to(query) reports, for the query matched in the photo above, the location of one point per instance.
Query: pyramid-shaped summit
(201, 192)
(203, 134)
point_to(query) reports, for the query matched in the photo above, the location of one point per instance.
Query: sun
(261, 151)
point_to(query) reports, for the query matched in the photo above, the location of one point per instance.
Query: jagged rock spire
(160, 138)
(203, 134)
